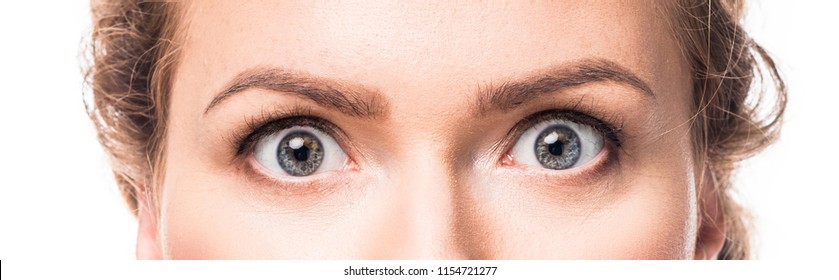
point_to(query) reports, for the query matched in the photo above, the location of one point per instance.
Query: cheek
(212, 222)
(650, 224)
(215, 213)
(638, 225)
(199, 216)
(644, 210)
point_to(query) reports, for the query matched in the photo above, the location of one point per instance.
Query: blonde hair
(134, 54)
(727, 126)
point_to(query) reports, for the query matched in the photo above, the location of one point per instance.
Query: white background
(58, 200)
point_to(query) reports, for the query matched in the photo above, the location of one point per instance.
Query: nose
(418, 218)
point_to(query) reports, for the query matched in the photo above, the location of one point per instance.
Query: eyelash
(269, 122)
(611, 133)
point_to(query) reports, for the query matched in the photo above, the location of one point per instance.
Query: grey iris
(557, 147)
(300, 153)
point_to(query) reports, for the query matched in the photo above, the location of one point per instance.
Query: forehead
(419, 46)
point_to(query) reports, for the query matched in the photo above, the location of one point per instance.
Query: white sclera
(591, 142)
(266, 149)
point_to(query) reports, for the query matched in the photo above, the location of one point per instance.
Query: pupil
(555, 148)
(302, 153)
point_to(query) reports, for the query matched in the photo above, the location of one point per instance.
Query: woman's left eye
(558, 144)
(299, 151)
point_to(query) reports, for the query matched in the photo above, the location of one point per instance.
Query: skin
(430, 177)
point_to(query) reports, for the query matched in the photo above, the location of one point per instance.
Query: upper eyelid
(609, 131)
(571, 115)
(276, 125)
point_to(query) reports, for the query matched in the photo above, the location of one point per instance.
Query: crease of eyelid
(554, 79)
(350, 99)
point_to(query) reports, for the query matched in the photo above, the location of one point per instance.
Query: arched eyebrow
(353, 100)
(511, 94)
(364, 102)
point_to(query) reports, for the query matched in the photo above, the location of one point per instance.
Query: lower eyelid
(588, 173)
(289, 185)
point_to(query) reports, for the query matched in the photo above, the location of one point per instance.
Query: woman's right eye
(299, 151)
(558, 144)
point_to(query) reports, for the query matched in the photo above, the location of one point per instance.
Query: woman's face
(428, 130)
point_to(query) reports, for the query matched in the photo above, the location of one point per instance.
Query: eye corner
(350, 165)
(507, 160)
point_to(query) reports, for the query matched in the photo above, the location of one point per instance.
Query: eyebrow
(354, 100)
(364, 102)
(512, 94)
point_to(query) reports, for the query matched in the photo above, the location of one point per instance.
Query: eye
(558, 144)
(299, 151)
